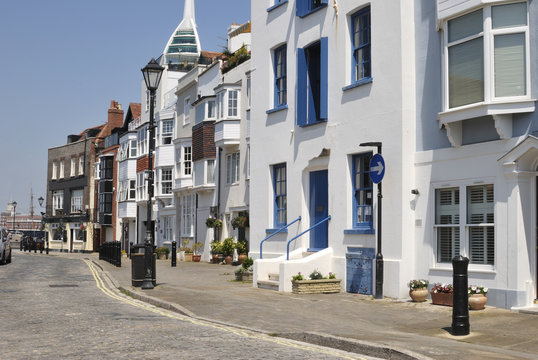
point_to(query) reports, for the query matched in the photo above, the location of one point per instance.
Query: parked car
(5, 248)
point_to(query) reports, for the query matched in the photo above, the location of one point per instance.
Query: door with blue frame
(319, 209)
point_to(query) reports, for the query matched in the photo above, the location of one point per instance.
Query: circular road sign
(377, 168)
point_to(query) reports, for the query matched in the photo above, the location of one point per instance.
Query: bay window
(486, 55)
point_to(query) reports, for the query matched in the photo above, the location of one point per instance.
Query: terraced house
(447, 88)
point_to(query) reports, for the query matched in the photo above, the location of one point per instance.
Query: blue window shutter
(300, 7)
(301, 87)
(324, 79)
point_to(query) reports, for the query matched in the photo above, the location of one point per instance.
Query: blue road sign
(377, 168)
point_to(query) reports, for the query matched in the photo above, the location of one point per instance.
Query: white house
(447, 88)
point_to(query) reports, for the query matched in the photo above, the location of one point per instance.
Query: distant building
(71, 203)
(19, 222)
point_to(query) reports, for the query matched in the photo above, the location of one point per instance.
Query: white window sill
(501, 112)
(483, 109)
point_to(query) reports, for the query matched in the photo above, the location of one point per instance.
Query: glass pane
(510, 68)
(509, 15)
(464, 26)
(466, 73)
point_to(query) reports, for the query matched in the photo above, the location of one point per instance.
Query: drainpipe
(218, 183)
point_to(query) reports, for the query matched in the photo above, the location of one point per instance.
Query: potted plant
(188, 253)
(212, 222)
(241, 247)
(316, 283)
(228, 246)
(195, 247)
(162, 252)
(244, 272)
(418, 290)
(477, 297)
(216, 250)
(442, 294)
(240, 222)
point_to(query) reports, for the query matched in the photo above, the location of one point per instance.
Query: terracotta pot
(228, 260)
(241, 258)
(442, 299)
(419, 295)
(215, 258)
(196, 258)
(477, 301)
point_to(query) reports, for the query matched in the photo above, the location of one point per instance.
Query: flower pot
(442, 299)
(162, 256)
(228, 259)
(241, 258)
(419, 295)
(215, 259)
(477, 301)
(188, 256)
(196, 257)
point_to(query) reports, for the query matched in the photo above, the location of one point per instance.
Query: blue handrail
(307, 230)
(276, 232)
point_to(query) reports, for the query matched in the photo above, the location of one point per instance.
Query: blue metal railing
(307, 230)
(276, 232)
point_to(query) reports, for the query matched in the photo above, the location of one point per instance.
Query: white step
(268, 284)
(274, 277)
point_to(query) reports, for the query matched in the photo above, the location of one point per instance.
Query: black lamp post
(41, 200)
(152, 77)
(14, 204)
(379, 255)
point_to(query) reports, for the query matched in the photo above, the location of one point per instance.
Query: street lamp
(152, 76)
(41, 200)
(14, 204)
(379, 256)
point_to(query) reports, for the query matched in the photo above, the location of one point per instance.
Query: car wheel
(3, 258)
(8, 261)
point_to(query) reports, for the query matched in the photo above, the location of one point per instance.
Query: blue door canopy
(377, 168)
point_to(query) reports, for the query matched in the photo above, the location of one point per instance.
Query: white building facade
(451, 99)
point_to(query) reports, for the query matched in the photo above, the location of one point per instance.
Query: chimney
(115, 115)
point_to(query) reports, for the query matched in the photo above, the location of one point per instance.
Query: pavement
(387, 328)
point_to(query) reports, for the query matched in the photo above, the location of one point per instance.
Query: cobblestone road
(56, 307)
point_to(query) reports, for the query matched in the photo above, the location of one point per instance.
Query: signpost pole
(377, 171)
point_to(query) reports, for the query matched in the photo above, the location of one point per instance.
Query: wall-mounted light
(414, 191)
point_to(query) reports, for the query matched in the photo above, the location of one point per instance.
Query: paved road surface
(55, 307)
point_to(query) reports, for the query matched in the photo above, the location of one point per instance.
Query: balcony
(227, 133)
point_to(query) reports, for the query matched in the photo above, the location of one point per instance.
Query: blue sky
(64, 60)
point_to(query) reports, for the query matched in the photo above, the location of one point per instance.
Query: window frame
(366, 227)
(187, 215)
(167, 178)
(354, 49)
(57, 201)
(187, 160)
(186, 111)
(75, 206)
(463, 227)
(280, 68)
(278, 195)
(167, 131)
(488, 35)
(232, 168)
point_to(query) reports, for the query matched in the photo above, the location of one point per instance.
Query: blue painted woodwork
(304, 232)
(276, 232)
(319, 209)
(324, 79)
(359, 270)
(302, 87)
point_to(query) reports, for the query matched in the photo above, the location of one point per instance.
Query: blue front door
(319, 209)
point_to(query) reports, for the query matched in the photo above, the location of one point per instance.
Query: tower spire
(189, 17)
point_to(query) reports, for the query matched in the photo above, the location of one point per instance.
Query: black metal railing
(111, 252)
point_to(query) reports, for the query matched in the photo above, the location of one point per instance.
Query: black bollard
(130, 249)
(47, 249)
(174, 259)
(460, 307)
